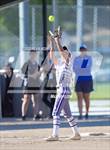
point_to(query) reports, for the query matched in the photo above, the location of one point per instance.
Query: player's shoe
(86, 116)
(80, 117)
(37, 117)
(23, 118)
(76, 137)
(52, 138)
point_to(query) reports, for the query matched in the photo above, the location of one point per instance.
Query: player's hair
(83, 48)
(66, 49)
(9, 65)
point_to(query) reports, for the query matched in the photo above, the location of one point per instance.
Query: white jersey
(63, 74)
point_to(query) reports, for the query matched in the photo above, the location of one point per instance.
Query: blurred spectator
(49, 86)
(30, 70)
(52, 87)
(84, 84)
(7, 98)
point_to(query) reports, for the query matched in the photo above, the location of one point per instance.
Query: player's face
(7, 70)
(33, 55)
(83, 52)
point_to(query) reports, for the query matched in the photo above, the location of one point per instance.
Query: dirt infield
(93, 138)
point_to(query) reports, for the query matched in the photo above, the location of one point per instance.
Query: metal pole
(95, 29)
(79, 23)
(23, 28)
(54, 9)
(44, 22)
(0, 100)
(33, 28)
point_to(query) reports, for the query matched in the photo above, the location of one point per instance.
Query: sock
(56, 125)
(76, 129)
(73, 125)
(55, 130)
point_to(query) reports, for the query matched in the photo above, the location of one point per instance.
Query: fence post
(33, 27)
(54, 10)
(0, 100)
(79, 23)
(95, 29)
(23, 29)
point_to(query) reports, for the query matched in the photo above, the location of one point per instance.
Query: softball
(51, 18)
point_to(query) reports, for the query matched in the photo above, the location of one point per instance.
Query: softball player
(63, 77)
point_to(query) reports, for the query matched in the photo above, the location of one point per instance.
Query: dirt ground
(93, 138)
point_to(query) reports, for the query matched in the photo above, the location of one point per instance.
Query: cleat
(52, 138)
(76, 137)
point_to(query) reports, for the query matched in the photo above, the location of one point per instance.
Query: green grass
(101, 91)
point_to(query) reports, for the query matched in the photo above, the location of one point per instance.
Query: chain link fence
(95, 31)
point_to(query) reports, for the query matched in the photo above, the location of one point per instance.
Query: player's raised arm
(63, 50)
(51, 54)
